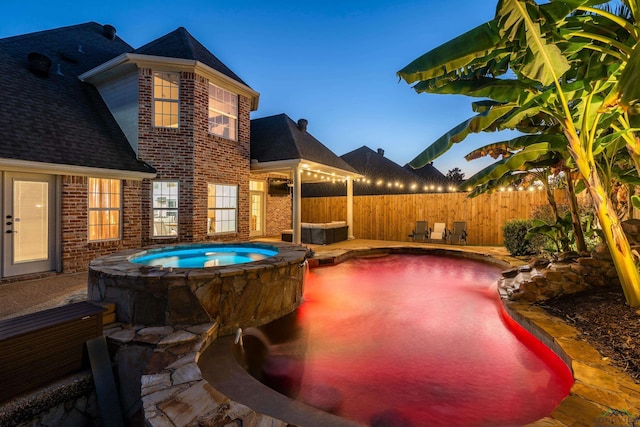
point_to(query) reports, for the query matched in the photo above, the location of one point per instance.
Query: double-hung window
(166, 99)
(222, 204)
(105, 208)
(164, 203)
(223, 112)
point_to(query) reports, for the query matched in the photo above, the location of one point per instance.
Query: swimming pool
(204, 256)
(416, 339)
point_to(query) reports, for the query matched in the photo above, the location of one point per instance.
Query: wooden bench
(39, 348)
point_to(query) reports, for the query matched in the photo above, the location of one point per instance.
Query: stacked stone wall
(569, 273)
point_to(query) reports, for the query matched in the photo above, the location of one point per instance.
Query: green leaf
(635, 201)
(533, 156)
(453, 55)
(628, 86)
(540, 61)
(555, 141)
(503, 90)
(613, 142)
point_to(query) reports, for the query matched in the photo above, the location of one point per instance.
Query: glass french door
(256, 226)
(28, 212)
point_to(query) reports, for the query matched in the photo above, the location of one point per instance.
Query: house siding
(77, 251)
(121, 97)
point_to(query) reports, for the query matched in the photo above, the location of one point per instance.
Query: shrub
(587, 218)
(515, 232)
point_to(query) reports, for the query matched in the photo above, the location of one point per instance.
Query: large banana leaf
(557, 142)
(503, 90)
(613, 142)
(532, 157)
(478, 123)
(453, 55)
(628, 86)
(520, 22)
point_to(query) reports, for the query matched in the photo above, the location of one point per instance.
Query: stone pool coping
(235, 295)
(178, 394)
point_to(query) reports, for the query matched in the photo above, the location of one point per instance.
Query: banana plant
(574, 64)
(539, 157)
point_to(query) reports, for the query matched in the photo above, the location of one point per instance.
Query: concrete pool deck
(599, 387)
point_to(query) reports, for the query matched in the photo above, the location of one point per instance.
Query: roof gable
(278, 137)
(430, 174)
(376, 167)
(382, 176)
(180, 44)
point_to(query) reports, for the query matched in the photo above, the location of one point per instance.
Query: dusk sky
(331, 62)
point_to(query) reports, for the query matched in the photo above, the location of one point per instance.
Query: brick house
(106, 147)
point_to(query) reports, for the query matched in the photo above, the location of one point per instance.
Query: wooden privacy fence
(392, 217)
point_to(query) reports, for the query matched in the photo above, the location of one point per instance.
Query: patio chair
(420, 232)
(439, 232)
(459, 233)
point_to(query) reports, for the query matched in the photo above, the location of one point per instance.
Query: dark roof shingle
(278, 137)
(180, 44)
(59, 119)
(382, 176)
(430, 174)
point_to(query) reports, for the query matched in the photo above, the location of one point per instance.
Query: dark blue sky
(331, 62)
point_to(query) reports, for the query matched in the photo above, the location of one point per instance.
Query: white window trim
(90, 209)
(168, 100)
(210, 109)
(215, 233)
(168, 234)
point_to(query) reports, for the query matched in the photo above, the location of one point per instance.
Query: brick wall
(77, 251)
(220, 161)
(195, 158)
(278, 209)
(170, 152)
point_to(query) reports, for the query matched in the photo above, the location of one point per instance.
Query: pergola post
(350, 207)
(297, 205)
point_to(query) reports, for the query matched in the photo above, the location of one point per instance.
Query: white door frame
(11, 226)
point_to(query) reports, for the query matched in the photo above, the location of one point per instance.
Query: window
(223, 112)
(165, 208)
(222, 207)
(104, 209)
(165, 100)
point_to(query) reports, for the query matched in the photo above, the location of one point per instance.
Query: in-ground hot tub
(241, 294)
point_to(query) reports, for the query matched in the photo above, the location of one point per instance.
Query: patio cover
(280, 145)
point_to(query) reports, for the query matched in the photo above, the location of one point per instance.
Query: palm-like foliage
(575, 69)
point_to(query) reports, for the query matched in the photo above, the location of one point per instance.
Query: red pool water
(422, 339)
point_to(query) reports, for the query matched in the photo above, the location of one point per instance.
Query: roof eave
(306, 166)
(121, 64)
(62, 169)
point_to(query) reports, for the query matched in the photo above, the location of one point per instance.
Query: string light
(335, 178)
